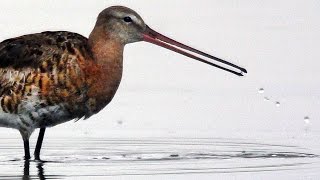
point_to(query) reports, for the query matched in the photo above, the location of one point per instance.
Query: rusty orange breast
(103, 74)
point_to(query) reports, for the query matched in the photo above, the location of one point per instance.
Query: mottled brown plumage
(52, 77)
(48, 63)
(60, 68)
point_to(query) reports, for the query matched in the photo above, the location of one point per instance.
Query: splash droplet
(306, 119)
(277, 103)
(261, 90)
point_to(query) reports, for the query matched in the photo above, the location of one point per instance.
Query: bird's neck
(106, 49)
(105, 71)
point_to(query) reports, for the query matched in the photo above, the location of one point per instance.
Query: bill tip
(244, 70)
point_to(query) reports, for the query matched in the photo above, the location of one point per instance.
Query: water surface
(74, 158)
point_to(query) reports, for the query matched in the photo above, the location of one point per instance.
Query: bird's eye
(127, 19)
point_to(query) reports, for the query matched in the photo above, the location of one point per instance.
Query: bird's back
(42, 82)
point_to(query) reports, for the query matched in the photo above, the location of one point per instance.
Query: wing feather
(31, 50)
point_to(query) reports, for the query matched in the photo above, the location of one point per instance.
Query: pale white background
(277, 41)
(165, 94)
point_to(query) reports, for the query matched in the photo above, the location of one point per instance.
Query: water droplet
(277, 103)
(120, 122)
(266, 99)
(261, 90)
(306, 119)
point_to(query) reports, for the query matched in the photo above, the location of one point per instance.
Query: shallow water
(75, 158)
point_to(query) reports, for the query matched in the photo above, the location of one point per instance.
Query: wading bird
(50, 78)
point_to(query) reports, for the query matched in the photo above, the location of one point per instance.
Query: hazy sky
(277, 41)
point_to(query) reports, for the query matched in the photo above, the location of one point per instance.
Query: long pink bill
(156, 38)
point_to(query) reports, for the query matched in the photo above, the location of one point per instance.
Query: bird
(52, 77)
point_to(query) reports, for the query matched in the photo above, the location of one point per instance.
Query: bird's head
(126, 26)
(122, 23)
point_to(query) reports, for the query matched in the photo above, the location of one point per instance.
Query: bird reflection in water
(26, 170)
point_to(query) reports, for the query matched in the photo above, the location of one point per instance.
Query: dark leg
(26, 149)
(39, 144)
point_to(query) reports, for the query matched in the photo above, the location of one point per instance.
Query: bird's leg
(39, 144)
(26, 149)
(25, 137)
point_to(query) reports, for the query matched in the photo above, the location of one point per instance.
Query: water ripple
(112, 157)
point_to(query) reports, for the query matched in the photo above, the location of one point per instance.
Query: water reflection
(26, 170)
(40, 170)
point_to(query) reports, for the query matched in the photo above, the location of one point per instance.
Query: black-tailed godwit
(50, 78)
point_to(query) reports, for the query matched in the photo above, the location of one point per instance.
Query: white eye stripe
(137, 20)
(132, 16)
